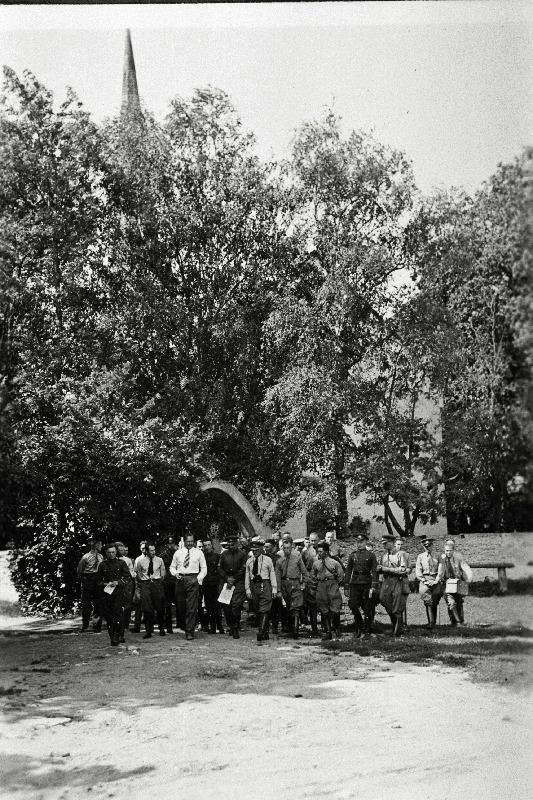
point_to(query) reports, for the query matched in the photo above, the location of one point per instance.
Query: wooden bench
(500, 566)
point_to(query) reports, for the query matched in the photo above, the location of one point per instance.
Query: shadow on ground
(23, 773)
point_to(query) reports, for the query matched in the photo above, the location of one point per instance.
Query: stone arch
(238, 506)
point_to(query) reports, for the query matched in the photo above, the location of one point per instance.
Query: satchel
(451, 586)
(462, 588)
(406, 589)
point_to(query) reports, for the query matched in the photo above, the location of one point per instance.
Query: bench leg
(502, 578)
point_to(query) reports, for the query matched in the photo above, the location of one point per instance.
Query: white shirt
(141, 568)
(196, 565)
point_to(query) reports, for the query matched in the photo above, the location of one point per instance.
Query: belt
(322, 580)
(188, 574)
(149, 580)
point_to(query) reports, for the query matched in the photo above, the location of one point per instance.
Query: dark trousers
(232, 612)
(90, 597)
(360, 601)
(213, 608)
(113, 612)
(153, 603)
(187, 593)
(170, 601)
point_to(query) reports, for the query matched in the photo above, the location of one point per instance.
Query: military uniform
(360, 577)
(429, 586)
(232, 564)
(328, 573)
(395, 587)
(113, 604)
(454, 566)
(291, 576)
(150, 575)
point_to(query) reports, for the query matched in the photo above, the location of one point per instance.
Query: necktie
(150, 566)
(187, 560)
(255, 568)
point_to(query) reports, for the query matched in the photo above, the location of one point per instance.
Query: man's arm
(203, 569)
(247, 586)
(80, 567)
(174, 564)
(418, 569)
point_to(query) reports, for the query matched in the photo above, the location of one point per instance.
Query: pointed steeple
(131, 107)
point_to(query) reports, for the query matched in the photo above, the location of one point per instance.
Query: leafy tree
(353, 197)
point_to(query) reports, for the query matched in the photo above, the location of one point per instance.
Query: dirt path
(233, 719)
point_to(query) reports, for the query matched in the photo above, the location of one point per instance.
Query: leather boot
(326, 622)
(430, 614)
(260, 626)
(314, 624)
(148, 624)
(336, 624)
(220, 627)
(296, 627)
(398, 625)
(454, 615)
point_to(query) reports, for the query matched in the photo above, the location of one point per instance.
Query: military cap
(427, 540)
(361, 537)
(299, 542)
(257, 542)
(388, 537)
(231, 537)
(273, 542)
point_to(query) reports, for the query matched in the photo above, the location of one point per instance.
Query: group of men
(286, 583)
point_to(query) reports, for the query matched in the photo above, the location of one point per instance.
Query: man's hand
(230, 582)
(249, 595)
(371, 592)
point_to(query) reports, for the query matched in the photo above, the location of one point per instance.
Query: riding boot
(219, 626)
(314, 625)
(148, 624)
(326, 622)
(461, 612)
(337, 624)
(296, 626)
(398, 625)
(454, 614)
(430, 614)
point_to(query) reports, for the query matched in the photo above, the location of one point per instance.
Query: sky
(449, 83)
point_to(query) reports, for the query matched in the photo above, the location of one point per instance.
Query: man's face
(322, 553)
(208, 546)
(428, 546)
(256, 550)
(448, 550)
(97, 546)
(287, 547)
(151, 550)
(189, 541)
(233, 544)
(313, 540)
(398, 545)
(268, 548)
(121, 550)
(143, 548)
(111, 552)
(361, 544)
(329, 536)
(388, 546)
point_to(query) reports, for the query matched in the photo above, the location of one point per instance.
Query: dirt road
(218, 718)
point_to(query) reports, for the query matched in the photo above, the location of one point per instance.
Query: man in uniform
(452, 566)
(291, 576)
(361, 580)
(394, 568)
(150, 574)
(87, 573)
(231, 569)
(114, 582)
(426, 569)
(276, 613)
(329, 575)
(210, 589)
(309, 556)
(189, 568)
(122, 552)
(260, 585)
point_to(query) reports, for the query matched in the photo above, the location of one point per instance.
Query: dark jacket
(361, 569)
(232, 564)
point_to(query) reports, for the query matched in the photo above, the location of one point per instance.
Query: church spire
(131, 107)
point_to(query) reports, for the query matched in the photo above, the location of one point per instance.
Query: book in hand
(226, 594)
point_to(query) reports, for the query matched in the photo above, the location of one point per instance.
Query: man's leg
(86, 603)
(192, 591)
(181, 604)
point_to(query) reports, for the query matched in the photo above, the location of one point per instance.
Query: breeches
(359, 599)
(328, 597)
(152, 596)
(432, 594)
(262, 596)
(391, 596)
(453, 600)
(113, 606)
(187, 594)
(292, 593)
